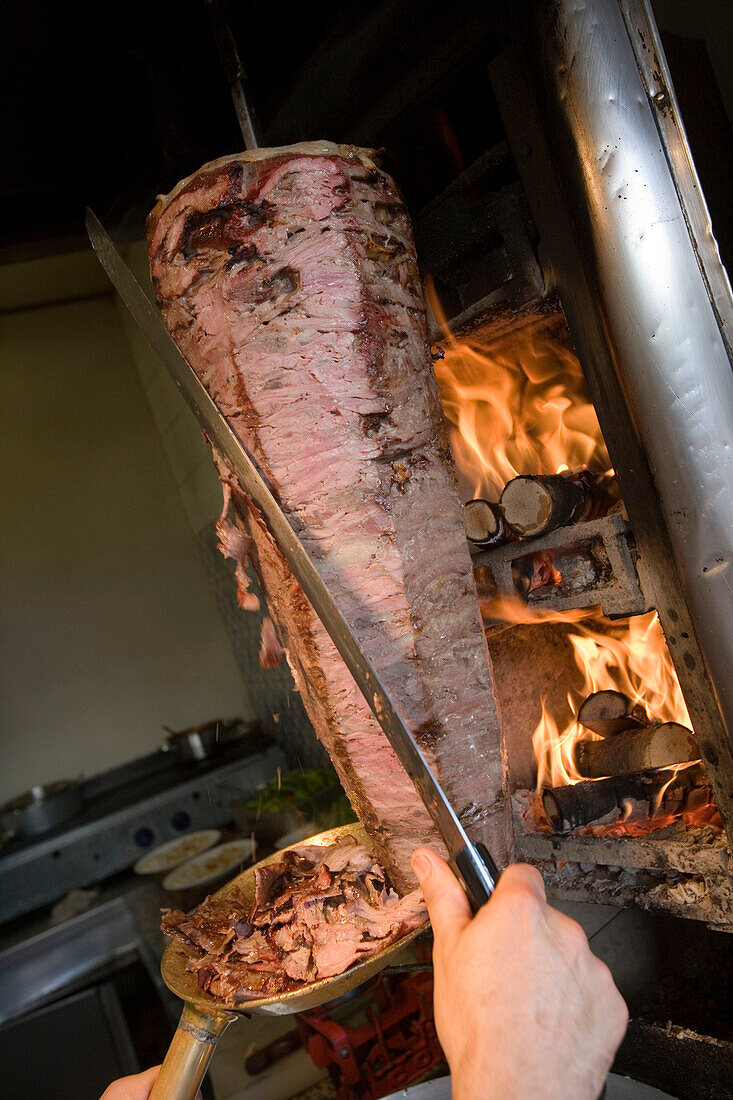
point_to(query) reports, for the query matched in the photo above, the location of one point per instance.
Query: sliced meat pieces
(340, 907)
(211, 929)
(288, 278)
(336, 947)
(271, 652)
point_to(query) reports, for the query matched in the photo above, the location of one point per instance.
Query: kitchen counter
(115, 826)
(39, 961)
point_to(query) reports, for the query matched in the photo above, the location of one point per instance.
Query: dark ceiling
(109, 106)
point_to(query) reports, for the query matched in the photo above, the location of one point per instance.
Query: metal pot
(42, 807)
(197, 742)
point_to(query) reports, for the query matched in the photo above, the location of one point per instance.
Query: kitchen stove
(125, 812)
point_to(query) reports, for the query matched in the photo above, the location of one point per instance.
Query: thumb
(447, 904)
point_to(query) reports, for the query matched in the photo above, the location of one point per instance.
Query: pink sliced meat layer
(288, 278)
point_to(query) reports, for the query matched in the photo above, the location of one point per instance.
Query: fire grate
(683, 872)
(595, 562)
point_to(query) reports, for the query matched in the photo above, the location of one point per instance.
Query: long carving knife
(471, 862)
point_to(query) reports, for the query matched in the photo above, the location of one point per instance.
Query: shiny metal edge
(36, 970)
(650, 57)
(660, 321)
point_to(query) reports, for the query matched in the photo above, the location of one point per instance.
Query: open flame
(515, 404)
(632, 658)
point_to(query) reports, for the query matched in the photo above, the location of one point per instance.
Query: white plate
(301, 833)
(176, 851)
(209, 866)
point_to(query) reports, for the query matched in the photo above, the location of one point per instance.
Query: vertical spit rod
(235, 74)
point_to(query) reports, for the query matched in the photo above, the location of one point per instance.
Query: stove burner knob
(180, 821)
(144, 837)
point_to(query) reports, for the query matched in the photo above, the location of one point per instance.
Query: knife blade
(471, 862)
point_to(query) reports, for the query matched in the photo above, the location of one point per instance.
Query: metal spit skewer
(235, 74)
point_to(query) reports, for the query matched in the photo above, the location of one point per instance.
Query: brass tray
(184, 982)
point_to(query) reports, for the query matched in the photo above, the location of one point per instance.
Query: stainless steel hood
(633, 258)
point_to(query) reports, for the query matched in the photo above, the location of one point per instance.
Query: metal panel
(39, 968)
(667, 344)
(646, 44)
(602, 191)
(70, 1049)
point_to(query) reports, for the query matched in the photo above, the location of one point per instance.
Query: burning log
(609, 712)
(635, 796)
(485, 524)
(636, 750)
(535, 571)
(537, 504)
(570, 569)
(579, 804)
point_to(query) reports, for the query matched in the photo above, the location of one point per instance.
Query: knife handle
(477, 873)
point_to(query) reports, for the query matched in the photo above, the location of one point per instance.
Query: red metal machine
(373, 1045)
(395, 1045)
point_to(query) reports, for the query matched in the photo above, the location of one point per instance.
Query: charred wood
(636, 750)
(581, 567)
(569, 568)
(635, 796)
(609, 712)
(578, 804)
(537, 504)
(485, 524)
